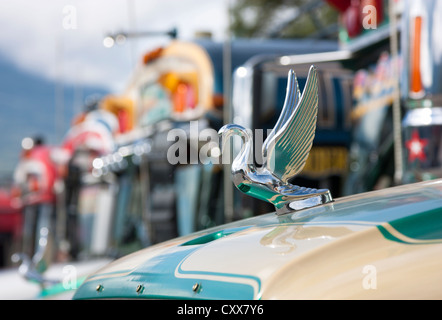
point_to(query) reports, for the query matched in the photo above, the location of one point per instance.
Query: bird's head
(233, 129)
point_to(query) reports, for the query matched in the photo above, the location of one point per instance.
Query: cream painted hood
(379, 245)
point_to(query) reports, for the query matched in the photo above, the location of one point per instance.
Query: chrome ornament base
(316, 198)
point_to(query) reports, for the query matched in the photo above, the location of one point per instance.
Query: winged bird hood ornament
(285, 151)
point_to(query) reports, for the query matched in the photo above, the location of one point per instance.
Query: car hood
(381, 244)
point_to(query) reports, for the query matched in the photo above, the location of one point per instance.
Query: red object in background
(180, 98)
(95, 132)
(10, 216)
(340, 5)
(416, 87)
(80, 140)
(352, 13)
(351, 19)
(416, 147)
(41, 155)
(123, 120)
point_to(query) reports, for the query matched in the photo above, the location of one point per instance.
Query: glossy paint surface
(382, 244)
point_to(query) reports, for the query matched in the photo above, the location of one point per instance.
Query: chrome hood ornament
(285, 152)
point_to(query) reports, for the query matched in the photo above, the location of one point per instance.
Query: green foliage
(280, 18)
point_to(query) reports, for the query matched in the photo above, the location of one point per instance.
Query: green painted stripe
(387, 235)
(422, 228)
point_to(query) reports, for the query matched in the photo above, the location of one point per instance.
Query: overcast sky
(64, 39)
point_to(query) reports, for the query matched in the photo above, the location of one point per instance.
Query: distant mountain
(31, 105)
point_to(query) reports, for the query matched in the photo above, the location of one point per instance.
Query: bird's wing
(288, 148)
(291, 100)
